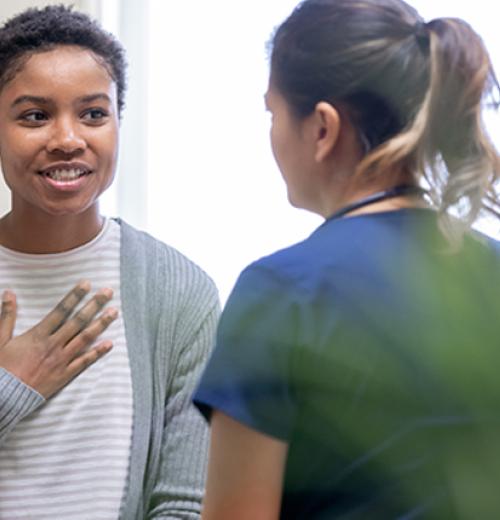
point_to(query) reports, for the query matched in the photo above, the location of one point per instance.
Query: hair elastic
(422, 35)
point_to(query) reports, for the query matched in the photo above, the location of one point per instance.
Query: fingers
(79, 322)
(74, 356)
(52, 353)
(80, 363)
(8, 313)
(89, 334)
(64, 308)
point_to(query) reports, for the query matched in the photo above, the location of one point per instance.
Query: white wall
(9, 8)
(214, 190)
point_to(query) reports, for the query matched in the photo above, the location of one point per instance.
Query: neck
(48, 233)
(380, 200)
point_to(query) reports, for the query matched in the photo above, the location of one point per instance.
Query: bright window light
(214, 191)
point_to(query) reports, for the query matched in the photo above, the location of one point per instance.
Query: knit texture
(170, 310)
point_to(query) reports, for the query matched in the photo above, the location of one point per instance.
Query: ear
(327, 120)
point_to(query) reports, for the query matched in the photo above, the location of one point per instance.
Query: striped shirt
(69, 459)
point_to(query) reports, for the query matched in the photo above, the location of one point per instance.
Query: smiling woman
(58, 144)
(121, 440)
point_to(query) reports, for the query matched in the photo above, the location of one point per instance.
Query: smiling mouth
(65, 175)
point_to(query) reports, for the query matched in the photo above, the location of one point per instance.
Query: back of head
(414, 90)
(39, 30)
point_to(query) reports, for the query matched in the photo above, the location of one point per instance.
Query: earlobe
(328, 124)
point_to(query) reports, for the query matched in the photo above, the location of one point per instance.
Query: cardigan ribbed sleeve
(191, 299)
(179, 488)
(170, 310)
(17, 400)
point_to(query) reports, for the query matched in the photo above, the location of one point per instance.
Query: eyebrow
(39, 100)
(31, 99)
(95, 97)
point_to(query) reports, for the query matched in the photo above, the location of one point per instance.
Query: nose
(66, 138)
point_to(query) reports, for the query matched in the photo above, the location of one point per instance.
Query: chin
(293, 201)
(301, 204)
(68, 209)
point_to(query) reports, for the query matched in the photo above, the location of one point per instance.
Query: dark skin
(58, 113)
(41, 237)
(53, 352)
(58, 148)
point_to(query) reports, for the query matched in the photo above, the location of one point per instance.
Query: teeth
(65, 175)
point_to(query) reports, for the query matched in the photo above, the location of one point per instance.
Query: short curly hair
(37, 30)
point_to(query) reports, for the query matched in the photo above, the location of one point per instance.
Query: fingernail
(107, 292)
(112, 314)
(107, 346)
(83, 287)
(7, 296)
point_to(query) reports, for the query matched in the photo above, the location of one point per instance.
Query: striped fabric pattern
(69, 459)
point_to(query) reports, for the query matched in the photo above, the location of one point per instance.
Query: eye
(33, 117)
(95, 115)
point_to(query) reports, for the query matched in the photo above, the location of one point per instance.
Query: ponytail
(415, 92)
(446, 142)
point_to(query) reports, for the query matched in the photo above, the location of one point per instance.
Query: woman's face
(58, 132)
(292, 151)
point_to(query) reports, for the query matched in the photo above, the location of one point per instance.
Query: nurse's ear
(327, 129)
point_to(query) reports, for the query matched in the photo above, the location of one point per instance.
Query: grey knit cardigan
(170, 309)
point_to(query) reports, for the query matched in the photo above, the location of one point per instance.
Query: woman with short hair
(121, 440)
